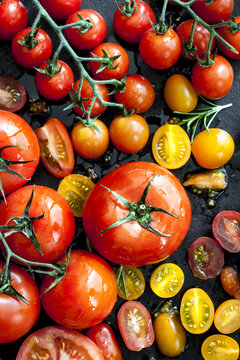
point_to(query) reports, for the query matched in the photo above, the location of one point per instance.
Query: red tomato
(54, 231)
(57, 342)
(13, 18)
(13, 95)
(91, 38)
(233, 38)
(121, 63)
(160, 51)
(56, 149)
(130, 243)
(132, 28)
(36, 56)
(59, 9)
(139, 94)
(85, 296)
(214, 12)
(135, 325)
(55, 87)
(15, 131)
(103, 335)
(230, 280)
(215, 81)
(18, 317)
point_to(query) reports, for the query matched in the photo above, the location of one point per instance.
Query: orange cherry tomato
(227, 316)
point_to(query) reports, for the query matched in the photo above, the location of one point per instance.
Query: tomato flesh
(167, 280)
(12, 94)
(227, 316)
(226, 230)
(131, 282)
(220, 347)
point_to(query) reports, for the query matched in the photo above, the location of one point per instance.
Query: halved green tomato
(220, 347)
(131, 282)
(167, 280)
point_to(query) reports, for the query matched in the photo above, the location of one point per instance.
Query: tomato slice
(171, 146)
(196, 311)
(227, 316)
(220, 347)
(56, 149)
(135, 325)
(75, 189)
(57, 342)
(12, 94)
(167, 280)
(226, 230)
(131, 282)
(230, 280)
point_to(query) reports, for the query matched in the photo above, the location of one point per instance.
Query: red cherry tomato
(233, 38)
(59, 9)
(213, 12)
(230, 280)
(12, 94)
(13, 18)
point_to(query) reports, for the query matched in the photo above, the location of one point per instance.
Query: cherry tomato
(227, 316)
(104, 337)
(215, 81)
(15, 131)
(196, 311)
(12, 94)
(171, 146)
(13, 18)
(226, 230)
(231, 281)
(54, 231)
(213, 148)
(36, 56)
(120, 65)
(131, 28)
(139, 94)
(75, 189)
(16, 316)
(179, 94)
(130, 243)
(131, 282)
(220, 347)
(88, 142)
(58, 342)
(85, 296)
(160, 51)
(135, 325)
(129, 134)
(86, 40)
(167, 280)
(233, 38)
(213, 12)
(205, 258)
(61, 10)
(56, 149)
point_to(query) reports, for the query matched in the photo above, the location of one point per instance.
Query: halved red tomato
(12, 94)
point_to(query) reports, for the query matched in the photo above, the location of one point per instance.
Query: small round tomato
(227, 316)
(75, 189)
(215, 81)
(120, 65)
(196, 311)
(171, 146)
(179, 93)
(13, 18)
(205, 258)
(167, 280)
(60, 10)
(215, 11)
(88, 142)
(129, 134)
(233, 38)
(82, 39)
(230, 280)
(85, 296)
(226, 230)
(58, 342)
(221, 347)
(213, 148)
(56, 149)
(135, 325)
(131, 282)
(12, 94)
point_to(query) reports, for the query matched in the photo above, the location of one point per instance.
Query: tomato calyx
(128, 8)
(106, 61)
(83, 25)
(30, 40)
(51, 68)
(232, 25)
(167, 308)
(161, 28)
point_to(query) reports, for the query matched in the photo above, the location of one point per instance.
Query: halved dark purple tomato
(12, 94)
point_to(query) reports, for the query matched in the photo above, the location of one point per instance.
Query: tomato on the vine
(230, 280)
(226, 230)
(221, 347)
(60, 10)
(13, 18)
(13, 95)
(232, 37)
(215, 11)
(167, 280)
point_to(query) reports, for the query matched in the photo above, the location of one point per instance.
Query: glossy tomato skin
(226, 230)
(35, 57)
(230, 280)
(14, 130)
(60, 10)
(160, 51)
(232, 38)
(54, 231)
(13, 18)
(215, 12)
(85, 296)
(129, 243)
(17, 317)
(132, 28)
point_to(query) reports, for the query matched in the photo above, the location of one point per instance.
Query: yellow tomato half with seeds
(227, 316)
(167, 280)
(131, 282)
(220, 347)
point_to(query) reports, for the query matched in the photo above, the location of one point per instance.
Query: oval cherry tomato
(167, 280)
(12, 94)
(233, 38)
(13, 18)
(220, 347)
(86, 40)
(231, 281)
(59, 9)
(85, 296)
(131, 282)
(213, 148)
(171, 146)
(129, 134)
(213, 12)
(227, 316)
(135, 325)
(226, 230)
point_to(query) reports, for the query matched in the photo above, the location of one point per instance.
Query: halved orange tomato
(227, 316)
(167, 280)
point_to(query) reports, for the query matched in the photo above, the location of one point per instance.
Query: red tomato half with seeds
(13, 18)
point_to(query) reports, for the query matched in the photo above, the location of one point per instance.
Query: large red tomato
(130, 242)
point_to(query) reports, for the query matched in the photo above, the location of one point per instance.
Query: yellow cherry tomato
(131, 282)
(220, 347)
(227, 316)
(167, 280)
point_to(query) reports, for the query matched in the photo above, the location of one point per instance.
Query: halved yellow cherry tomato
(171, 146)
(131, 282)
(227, 316)
(196, 311)
(220, 347)
(75, 189)
(167, 280)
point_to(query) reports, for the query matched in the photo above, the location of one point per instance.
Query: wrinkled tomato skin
(54, 231)
(14, 130)
(230, 280)
(60, 10)
(85, 296)
(13, 18)
(129, 243)
(232, 38)
(214, 13)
